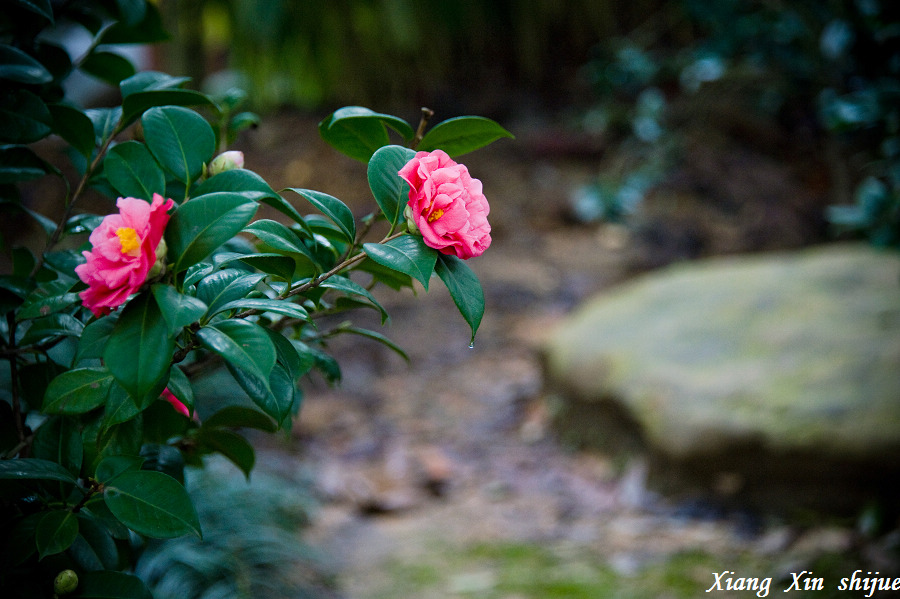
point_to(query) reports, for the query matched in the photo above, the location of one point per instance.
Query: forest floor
(443, 477)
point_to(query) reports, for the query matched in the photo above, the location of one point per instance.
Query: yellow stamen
(435, 215)
(128, 237)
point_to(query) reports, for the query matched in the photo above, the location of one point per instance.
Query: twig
(427, 113)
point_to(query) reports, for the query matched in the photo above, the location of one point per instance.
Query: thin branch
(427, 113)
(14, 379)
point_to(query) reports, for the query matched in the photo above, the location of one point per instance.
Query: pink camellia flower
(176, 403)
(446, 205)
(127, 248)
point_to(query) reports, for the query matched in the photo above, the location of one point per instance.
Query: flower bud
(65, 582)
(410, 221)
(159, 267)
(226, 161)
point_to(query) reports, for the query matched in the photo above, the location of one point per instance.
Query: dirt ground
(455, 448)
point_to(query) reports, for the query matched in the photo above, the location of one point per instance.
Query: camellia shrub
(104, 329)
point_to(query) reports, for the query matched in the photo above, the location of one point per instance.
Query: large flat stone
(772, 369)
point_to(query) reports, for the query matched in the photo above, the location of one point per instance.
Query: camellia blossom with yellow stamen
(127, 249)
(446, 205)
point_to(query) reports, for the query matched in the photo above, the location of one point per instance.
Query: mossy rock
(778, 372)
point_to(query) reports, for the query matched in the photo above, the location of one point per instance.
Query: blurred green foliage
(832, 68)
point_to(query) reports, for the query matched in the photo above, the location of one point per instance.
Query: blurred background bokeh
(649, 133)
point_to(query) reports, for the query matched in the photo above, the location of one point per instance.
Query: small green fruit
(66, 582)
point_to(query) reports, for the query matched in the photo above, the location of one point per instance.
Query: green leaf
(34, 469)
(136, 104)
(225, 286)
(242, 344)
(139, 351)
(462, 134)
(15, 65)
(240, 417)
(152, 504)
(145, 81)
(464, 288)
(59, 440)
(297, 364)
(107, 66)
(74, 126)
(387, 276)
(105, 121)
(77, 391)
(131, 169)
(99, 546)
(279, 237)
(358, 132)
(178, 310)
(345, 285)
(203, 224)
(333, 208)
(109, 584)
(180, 386)
(120, 407)
(55, 532)
(231, 445)
(132, 12)
(282, 267)
(18, 163)
(24, 118)
(94, 338)
(109, 468)
(407, 254)
(45, 302)
(149, 30)
(180, 139)
(240, 179)
(283, 307)
(390, 190)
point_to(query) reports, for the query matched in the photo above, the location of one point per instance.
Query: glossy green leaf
(107, 66)
(132, 12)
(111, 467)
(180, 386)
(44, 302)
(464, 288)
(203, 224)
(218, 291)
(358, 132)
(131, 169)
(336, 211)
(180, 139)
(282, 267)
(109, 584)
(282, 307)
(99, 546)
(345, 285)
(136, 104)
(105, 121)
(152, 504)
(240, 417)
(18, 163)
(74, 126)
(296, 363)
(34, 469)
(149, 30)
(384, 275)
(77, 391)
(246, 180)
(278, 237)
(462, 134)
(59, 440)
(407, 254)
(94, 338)
(231, 445)
(178, 310)
(242, 344)
(120, 407)
(376, 336)
(55, 531)
(18, 66)
(390, 190)
(145, 81)
(24, 118)
(140, 348)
